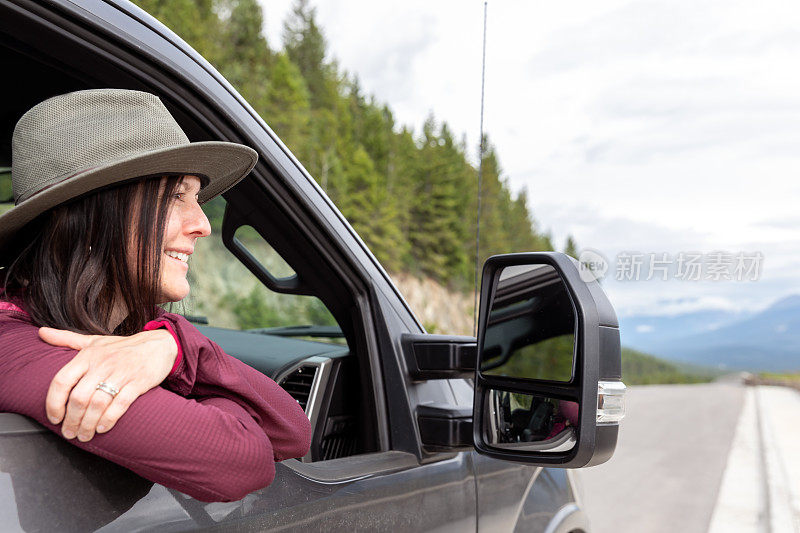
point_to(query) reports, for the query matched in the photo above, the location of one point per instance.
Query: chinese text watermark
(683, 266)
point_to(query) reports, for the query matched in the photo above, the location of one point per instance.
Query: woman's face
(186, 222)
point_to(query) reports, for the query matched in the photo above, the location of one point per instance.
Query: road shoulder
(760, 489)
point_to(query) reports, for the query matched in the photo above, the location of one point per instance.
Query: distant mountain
(769, 340)
(644, 331)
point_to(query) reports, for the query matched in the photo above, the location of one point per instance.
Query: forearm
(211, 449)
(207, 448)
(206, 371)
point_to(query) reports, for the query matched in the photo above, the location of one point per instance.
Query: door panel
(516, 497)
(437, 496)
(48, 484)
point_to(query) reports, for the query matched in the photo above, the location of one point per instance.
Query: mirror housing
(595, 384)
(439, 356)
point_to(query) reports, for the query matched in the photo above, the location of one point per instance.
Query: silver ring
(105, 387)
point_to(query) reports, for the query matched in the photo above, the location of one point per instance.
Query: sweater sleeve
(212, 446)
(166, 324)
(205, 370)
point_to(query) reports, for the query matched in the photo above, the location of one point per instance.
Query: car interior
(324, 366)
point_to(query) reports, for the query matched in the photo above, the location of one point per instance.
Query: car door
(517, 497)
(49, 484)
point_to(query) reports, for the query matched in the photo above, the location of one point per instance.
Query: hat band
(27, 196)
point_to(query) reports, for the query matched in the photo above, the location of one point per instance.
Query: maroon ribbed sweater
(213, 429)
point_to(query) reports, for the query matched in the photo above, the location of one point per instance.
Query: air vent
(340, 437)
(299, 383)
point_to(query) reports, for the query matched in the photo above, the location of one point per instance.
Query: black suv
(412, 432)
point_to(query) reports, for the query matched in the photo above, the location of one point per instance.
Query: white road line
(741, 500)
(760, 489)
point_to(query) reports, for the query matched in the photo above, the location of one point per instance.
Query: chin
(177, 297)
(174, 294)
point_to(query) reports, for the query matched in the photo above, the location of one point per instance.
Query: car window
(261, 250)
(6, 195)
(224, 293)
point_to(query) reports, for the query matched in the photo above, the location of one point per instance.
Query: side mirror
(548, 386)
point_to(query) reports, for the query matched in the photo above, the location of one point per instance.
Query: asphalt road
(670, 458)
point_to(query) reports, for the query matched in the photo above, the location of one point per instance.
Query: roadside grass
(793, 377)
(783, 379)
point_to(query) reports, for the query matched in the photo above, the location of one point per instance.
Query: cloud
(626, 32)
(791, 222)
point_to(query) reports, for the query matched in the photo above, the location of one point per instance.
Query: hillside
(411, 195)
(440, 310)
(642, 369)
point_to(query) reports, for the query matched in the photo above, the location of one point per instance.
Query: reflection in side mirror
(524, 422)
(531, 328)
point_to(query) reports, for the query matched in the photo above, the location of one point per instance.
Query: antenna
(480, 176)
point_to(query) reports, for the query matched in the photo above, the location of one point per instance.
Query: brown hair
(75, 266)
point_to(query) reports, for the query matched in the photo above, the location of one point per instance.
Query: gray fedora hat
(75, 143)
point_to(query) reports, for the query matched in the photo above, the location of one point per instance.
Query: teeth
(179, 256)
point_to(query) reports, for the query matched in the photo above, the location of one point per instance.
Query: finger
(61, 386)
(78, 402)
(118, 407)
(97, 406)
(62, 337)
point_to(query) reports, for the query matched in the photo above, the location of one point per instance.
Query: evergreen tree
(434, 232)
(368, 208)
(288, 110)
(571, 248)
(305, 44)
(195, 21)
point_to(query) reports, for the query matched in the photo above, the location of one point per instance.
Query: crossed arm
(213, 428)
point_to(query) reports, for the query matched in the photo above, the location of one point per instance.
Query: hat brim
(224, 164)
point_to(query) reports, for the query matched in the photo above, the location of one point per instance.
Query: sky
(635, 126)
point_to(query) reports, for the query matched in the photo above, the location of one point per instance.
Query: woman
(108, 191)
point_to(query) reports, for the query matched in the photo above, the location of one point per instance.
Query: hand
(133, 365)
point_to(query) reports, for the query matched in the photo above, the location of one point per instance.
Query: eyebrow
(183, 186)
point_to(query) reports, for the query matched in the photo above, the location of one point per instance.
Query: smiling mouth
(178, 256)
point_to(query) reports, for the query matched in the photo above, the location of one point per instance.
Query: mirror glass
(531, 328)
(525, 422)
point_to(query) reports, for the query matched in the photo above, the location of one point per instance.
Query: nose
(196, 223)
